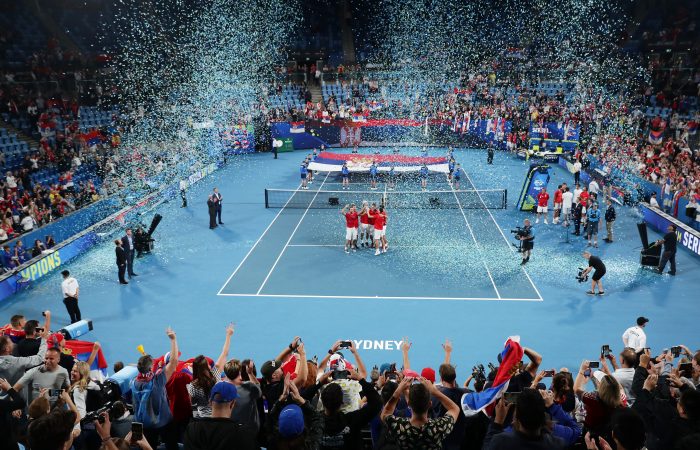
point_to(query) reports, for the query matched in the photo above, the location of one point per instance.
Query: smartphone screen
(136, 431)
(594, 364)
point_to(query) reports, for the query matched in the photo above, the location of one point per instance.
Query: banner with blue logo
(658, 220)
(552, 134)
(537, 179)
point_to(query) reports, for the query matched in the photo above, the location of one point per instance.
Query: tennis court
(443, 244)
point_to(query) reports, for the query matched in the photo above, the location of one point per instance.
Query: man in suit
(128, 246)
(211, 204)
(121, 260)
(218, 198)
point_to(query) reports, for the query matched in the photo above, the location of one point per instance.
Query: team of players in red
(368, 226)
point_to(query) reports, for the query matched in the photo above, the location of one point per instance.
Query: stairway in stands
(315, 90)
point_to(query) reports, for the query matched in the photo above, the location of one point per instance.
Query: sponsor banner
(688, 238)
(333, 162)
(45, 264)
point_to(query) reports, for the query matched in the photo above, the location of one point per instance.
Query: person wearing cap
(335, 361)
(71, 289)
(293, 422)
(635, 337)
(273, 377)
(150, 398)
(57, 340)
(219, 431)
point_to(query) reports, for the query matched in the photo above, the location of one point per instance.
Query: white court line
(393, 246)
(259, 239)
(382, 297)
(292, 235)
(512, 249)
(475, 241)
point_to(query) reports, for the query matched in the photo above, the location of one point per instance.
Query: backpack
(141, 396)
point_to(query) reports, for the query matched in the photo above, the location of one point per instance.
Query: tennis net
(466, 199)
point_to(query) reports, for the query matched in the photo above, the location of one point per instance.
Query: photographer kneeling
(594, 263)
(526, 235)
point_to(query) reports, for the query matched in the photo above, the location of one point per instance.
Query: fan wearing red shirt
(558, 199)
(351, 223)
(542, 202)
(364, 224)
(379, 238)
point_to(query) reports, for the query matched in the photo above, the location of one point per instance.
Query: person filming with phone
(623, 373)
(341, 369)
(601, 404)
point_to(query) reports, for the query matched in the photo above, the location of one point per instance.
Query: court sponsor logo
(367, 344)
(42, 267)
(689, 241)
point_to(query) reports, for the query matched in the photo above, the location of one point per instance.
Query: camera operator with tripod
(593, 263)
(526, 236)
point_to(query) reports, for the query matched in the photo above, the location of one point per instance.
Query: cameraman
(594, 263)
(527, 237)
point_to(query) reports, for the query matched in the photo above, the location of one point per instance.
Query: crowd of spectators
(630, 400)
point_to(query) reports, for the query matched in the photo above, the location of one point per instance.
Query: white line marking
(393, 246)
(512, 249)
(475, 241)
(378, 297)
(292, 235)
(258, 241)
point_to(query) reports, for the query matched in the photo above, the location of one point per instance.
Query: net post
(267, 203)
(505, 198)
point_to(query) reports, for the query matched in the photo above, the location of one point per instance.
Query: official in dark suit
(211, 204)
(121, 261)
(128, 246)
(218, 198)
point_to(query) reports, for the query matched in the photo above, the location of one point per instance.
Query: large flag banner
(296, 127)
(511, 356)
(92, 138)
(692, 127)
(656, 137)
(81, 350)
(333, 162)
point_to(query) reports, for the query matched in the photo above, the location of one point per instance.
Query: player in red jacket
(542, 204)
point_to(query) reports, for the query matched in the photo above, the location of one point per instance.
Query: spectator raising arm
(447, 346)
(174, 357)
(334, 348)
(93, 353)
(535, 361)
(302, 369)
(390, 406)
(451, 407)
(405, 347)
(223, 357)
(361, 370)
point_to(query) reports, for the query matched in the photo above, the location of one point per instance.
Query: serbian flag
(296, 127)
(357, 117)
(92, 138)
(81, 350)
(656, 137)
(692, 127)
(511, 355)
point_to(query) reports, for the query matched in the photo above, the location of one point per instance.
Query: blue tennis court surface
(449, 273)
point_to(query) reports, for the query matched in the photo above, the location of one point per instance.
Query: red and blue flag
(511, 356)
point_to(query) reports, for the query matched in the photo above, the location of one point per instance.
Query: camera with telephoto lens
(96, 415)
(519, 232)
(479, 373)
(581, 277)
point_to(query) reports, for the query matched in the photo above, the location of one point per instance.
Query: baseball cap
(642, 320)
(291, 421)
(268, 368)
(410, 373)
(428, 374)
(54, 340)
(223, 392)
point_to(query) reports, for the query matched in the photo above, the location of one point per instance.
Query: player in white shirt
(567, 201)
(71, 290)
(593, 187)
(635, 337)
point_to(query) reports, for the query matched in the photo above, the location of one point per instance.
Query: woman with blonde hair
(80, 386)
(601, 404)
